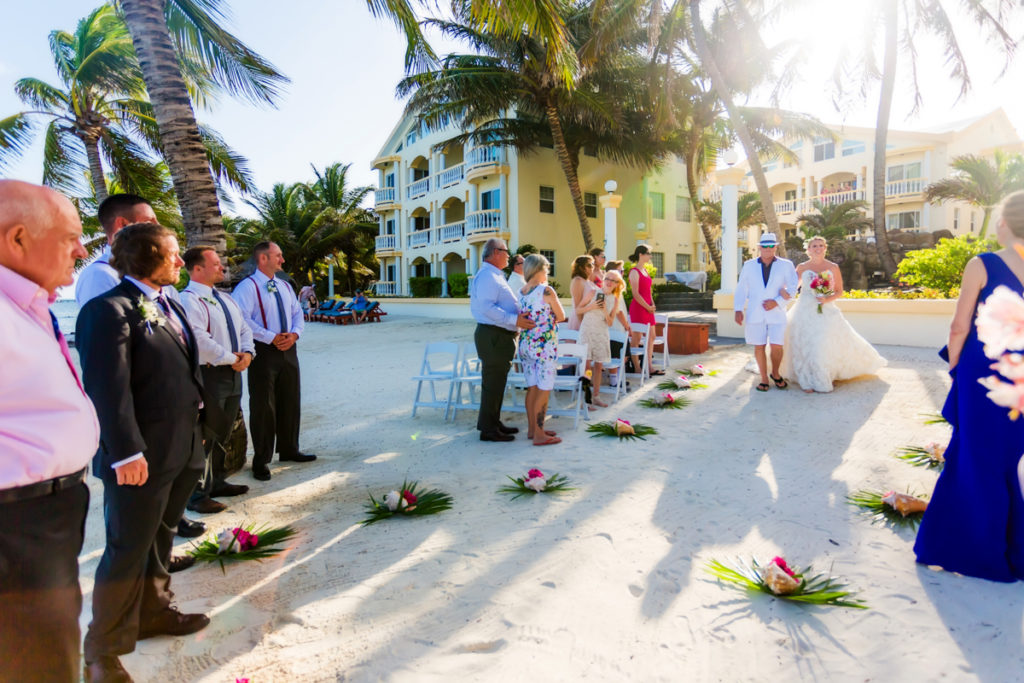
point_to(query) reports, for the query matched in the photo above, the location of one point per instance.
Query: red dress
(637, 313)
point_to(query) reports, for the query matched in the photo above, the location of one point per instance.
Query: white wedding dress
(822, 347)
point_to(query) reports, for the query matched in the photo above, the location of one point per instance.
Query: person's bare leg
(777, 359)
(762, 363)
(634, 338)
(540, 435)
(595, 381)
(531, 409)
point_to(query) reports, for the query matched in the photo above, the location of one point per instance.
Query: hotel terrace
(439, 202)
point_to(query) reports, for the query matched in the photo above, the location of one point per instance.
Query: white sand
(605, 583)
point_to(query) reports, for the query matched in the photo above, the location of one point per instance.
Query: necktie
(64, 349)
(280, 309)
(227, 317)
(172, 318)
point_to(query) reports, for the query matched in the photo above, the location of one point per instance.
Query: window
(490, 200)
(795, 148)
(851, 147)
(770, 166)
(824, 149)
(658, 261)
(419, 174)
(682, 263)
(549, 254)
(972, 221)
(421, 223)
(389, 180)
(547, 199)
(410, 138)
(590, 204)
(683, 214)
(391, 272)
(658, 205)
(389, 226)
(903, 172)
(790, 195)
(905, 220)
(956, 219)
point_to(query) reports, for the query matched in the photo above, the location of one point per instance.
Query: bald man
(48, 434)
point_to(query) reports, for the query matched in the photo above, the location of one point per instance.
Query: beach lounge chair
(326, 308)
(440, 364)
(340, 315)
(320, 310)
(373, 313)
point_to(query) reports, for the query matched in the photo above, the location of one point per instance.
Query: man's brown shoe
(180, 563)
(171, 622)
(106, 670)
(207, 506)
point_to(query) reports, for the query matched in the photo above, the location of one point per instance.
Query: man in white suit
(765, 283)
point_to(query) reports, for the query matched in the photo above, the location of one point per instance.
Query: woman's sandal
(550, 441)
(763, 386)
(780, 383)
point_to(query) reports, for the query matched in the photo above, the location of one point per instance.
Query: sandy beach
(604, 583)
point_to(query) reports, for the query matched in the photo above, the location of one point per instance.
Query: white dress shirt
(259, 307)
(207, 318)
(99, 277)
(516, 282)
(491, 300)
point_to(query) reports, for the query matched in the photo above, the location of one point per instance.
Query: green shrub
(458, 285)
(556, 285)
(714, 281)
(923, 293)
(628, 266)
(425, 287)
(942, 266)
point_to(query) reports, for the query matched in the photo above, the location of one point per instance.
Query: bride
(820, 345)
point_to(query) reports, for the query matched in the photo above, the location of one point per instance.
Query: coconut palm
(835, 221)
(749, 212)
(980, 182)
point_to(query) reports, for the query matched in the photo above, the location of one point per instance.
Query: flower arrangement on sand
(698, 370)
(406, 502)
(623, 429)
(536, 482)
(931, 456)
(898, 509)
(665, 401)
(778, 579)
(242, 543)
(681, 383)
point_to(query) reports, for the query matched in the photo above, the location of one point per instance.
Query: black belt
(510, 333)
(42, 488)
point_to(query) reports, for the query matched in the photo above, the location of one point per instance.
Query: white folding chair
(516, 382)
(659, 342)
(468, 376)
(640, 351)
(567, 335)
(575, 356)
(616, 367)
(440, 364)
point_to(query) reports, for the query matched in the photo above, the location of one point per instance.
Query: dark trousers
(40, 600)
(274, 403)
(223, 396)
(496, 347)
(132, 583)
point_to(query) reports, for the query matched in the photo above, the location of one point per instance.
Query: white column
(471, 260)
(925, 217)
(610, 203)
(729, 181)
(330, 280)
(400, 276)
(503, 201)
(444, 278)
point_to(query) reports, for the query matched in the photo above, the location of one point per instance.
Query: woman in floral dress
(538, 347)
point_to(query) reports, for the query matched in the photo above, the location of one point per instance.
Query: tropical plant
(834, 221)
(980, 182)
(942, 266)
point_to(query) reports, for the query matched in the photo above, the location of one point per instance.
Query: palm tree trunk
(99, 181)
(984, 222)
(739, 125)
(881, 138)
(179, 134)
(569, 169)
(709, 239)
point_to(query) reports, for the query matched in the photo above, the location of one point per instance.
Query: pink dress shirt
(48, 426)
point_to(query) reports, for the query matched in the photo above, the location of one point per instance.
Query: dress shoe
(106, 670)
(298, 457)
(261, 472)
(224, 490)
(206, 506)
(496, 436)
(507, 430)
(180, 563)
(171, 622)
(189, 528)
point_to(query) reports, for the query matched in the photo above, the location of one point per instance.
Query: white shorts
(762, 333)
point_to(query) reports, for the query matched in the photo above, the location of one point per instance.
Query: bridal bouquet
(898, 509)
(623, 429)
(1000, 324)
(665, 401)
(242, 543)
(780, 580)
(931, 456)
(405, 502)
(822, 285)
(536, 482)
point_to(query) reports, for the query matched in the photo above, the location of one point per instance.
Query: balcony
(418, 189)
(386, 243)
(911, 188)
(383, 197)
(451, 176)
(484, 160)
(483, 223)
(789, 206)
(452, 232)
(386, 288)
(420, 238)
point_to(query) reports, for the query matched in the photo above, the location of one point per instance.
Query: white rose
(393, 500)
(538, 484)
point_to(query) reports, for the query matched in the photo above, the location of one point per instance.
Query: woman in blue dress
(974, 524)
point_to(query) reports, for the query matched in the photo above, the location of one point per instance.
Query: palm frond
(16, 133)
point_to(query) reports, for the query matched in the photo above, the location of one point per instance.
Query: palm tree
(980, 182)
(176, 37)
(835, 221)
(749, 212)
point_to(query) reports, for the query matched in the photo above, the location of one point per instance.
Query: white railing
(384, 195)
(484, 155)
(451, 176)
(386, 242)
(488, 220)
(386, 288)
(452, 232)
(788, 206)
(895, 188)
(833, 198)
(420, 238)
(419, 188)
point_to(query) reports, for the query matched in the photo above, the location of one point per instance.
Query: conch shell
(682, 381)
(780, 583)
(904, 504)
(936, 451)
(697, 370)
(623, 428)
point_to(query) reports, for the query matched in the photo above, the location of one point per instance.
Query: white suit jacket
(751, 291)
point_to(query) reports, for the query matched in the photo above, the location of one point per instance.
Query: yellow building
(833, 172)
(439, 203)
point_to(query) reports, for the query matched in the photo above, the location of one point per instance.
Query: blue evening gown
(974, 524)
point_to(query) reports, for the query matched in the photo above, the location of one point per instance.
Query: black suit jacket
(144, 382)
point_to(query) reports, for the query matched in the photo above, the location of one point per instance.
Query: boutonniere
(148, 311)
(271, 286)
(211, 302)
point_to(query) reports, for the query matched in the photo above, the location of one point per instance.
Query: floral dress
(538, 347)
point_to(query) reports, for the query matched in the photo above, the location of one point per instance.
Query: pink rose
(1000, 322)
(534, 473)
(410, 499)
(783, 566)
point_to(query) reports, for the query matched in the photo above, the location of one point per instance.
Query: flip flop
(763, 386)
(780, 383)
(550, 441)
(657, 373)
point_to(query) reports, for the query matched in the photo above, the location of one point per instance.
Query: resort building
(831, 172)
(440, 200)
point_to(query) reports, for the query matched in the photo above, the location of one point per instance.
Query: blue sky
(344, 65)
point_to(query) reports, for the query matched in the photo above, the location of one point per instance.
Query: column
(383, 274)
(729, 181)
(330, 280)
(503, 201)
(471, 260)
(444, 279)
(400, 288)
(610, 203)
(926, 217)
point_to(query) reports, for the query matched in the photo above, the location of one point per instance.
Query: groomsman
(48, 434)
(140, 367)
(225, 350)
(273, 312)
